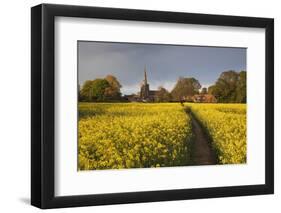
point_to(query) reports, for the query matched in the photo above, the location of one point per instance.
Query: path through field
(203, 153)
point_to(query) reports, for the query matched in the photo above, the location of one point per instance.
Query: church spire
(144, 92)
(145, 78)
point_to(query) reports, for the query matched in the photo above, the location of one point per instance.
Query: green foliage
(163, 95)
(101, 90)
(211, 89)
(98, 89)
(230, 87)
(185, 87)
(86, 93)
(113, 91)
(204, 90)
(241, 89)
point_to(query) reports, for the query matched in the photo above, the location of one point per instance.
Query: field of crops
(226, 125)
(143, 135)
(133, 135)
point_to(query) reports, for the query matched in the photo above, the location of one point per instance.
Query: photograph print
(160, 105)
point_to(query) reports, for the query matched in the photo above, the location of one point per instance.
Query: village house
(204, 98)
(132, 98)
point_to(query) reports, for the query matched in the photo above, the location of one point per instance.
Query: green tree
(93, 90)
(211, 89)
(86, 91)
(101, 89)
(241, 89)
(204, 91)
(230, 87)
(163, 95)
(185, 87)
(113, 91)
(98, 87)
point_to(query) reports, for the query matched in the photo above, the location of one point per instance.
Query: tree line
(101, 89)
(230, 87)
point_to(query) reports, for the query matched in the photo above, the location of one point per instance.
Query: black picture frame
(43, 117)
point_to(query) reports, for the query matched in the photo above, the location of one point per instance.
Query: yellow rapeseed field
(142, 135)
(133, 135)
(226, 125)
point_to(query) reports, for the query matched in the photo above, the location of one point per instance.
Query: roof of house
(205, 97)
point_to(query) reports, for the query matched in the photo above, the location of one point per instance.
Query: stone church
(146, 94)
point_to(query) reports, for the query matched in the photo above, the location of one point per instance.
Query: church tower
(145, 78)
(144, 93)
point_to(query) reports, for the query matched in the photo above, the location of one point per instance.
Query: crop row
(133, 135)
(226, 125)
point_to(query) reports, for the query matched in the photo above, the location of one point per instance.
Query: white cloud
(169, 85)
(130, 89)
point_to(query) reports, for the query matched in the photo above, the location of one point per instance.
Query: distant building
(203, 98)
(132, 98)
(147, 95)
(188, 98)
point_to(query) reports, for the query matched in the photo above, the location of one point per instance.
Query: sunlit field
(133, 135)
(144, 135)
(226, 125)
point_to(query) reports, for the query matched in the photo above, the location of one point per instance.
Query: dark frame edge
(269, 105)
(36, 60)
(42, 107)
(158, 196)
(48, 107)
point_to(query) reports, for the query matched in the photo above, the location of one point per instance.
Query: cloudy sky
(164, 63)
